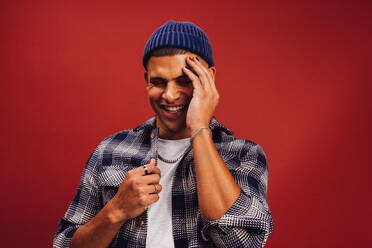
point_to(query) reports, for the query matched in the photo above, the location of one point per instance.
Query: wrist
(114, 214)
(199, 132)
(196, 128)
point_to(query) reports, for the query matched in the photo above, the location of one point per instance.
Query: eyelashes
(181, 81)
(158, 82)
(184, 81)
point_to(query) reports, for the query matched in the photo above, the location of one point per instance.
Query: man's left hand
(205, 96)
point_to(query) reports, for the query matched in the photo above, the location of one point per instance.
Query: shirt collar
(213, 125)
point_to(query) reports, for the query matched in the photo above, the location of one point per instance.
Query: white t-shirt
(159, 215)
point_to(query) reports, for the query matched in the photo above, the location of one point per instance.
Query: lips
(174, 108)
(174, 111)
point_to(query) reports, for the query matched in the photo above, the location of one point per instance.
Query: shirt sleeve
(84, 206)
(248, 222)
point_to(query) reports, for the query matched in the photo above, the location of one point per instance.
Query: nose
(171, 92)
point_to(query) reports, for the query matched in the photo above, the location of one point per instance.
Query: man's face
(170, 92)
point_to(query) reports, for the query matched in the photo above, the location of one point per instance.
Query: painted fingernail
(191, 58)
(197, 58)
(186, 67)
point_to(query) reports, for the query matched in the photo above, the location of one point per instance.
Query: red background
(294, 77)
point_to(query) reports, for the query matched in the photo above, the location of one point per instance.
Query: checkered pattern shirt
(247, 223)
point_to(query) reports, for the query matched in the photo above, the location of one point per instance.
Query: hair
(166, 51)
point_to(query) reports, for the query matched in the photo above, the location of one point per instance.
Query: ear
(212, 71)
(145, 75)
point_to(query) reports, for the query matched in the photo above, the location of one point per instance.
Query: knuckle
(134, 182)
(140, 190)
(142, 200)
(150, 167)
(200, 73)
(157, 177)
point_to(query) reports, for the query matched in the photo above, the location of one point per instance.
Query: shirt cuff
(247, 212)
(64, 234)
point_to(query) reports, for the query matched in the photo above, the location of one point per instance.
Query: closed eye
(157, 81)
(184, 81)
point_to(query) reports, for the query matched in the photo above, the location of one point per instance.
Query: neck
(165, 133)
(182, 134)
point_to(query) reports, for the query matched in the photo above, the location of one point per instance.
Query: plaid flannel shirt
(247, 223)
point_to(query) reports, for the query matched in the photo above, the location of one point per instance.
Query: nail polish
(197, 58)
(186, 67)
(191, 58)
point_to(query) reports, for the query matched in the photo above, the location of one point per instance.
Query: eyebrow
(177, 78)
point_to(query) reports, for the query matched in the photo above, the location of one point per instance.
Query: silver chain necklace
(172, 161)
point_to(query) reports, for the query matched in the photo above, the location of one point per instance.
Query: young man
(180, 179)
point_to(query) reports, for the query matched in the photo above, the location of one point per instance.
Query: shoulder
(240, 147)
(128, 136)
(228, 144)
(113, 140)
(235, 149)
(136, 137)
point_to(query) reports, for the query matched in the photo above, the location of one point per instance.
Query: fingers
(151, 179)
(138, 176)
(149, 194)
(194, 79)
(152, 199)
(152, 189)
(151, 168)
(137, 191)
(204, 75)
(146, 200)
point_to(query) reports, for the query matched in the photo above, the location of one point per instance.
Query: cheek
(189, 93)
(154, 93)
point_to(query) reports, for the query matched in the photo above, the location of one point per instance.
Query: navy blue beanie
(184, 35)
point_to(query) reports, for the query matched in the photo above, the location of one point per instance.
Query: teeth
(174, 108)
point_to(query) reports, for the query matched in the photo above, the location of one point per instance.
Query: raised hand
(137, 191)
(205, 96)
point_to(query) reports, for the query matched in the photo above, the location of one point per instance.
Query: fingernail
(191, 58)
(197, 58)
(186, 67)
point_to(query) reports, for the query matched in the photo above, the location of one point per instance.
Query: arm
(89, 224)
(232, 198)
(100, 230)
(135, 194)
(84, 206)
(248, 222)
(217, 189)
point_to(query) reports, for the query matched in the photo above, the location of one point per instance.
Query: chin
(172, 126)
(175, 127)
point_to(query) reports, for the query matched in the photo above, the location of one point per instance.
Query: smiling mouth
(174, 109)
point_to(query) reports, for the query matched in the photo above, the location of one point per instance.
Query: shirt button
(141, 223)
(152, 135)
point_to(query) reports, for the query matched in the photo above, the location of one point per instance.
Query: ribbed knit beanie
(184, 35)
